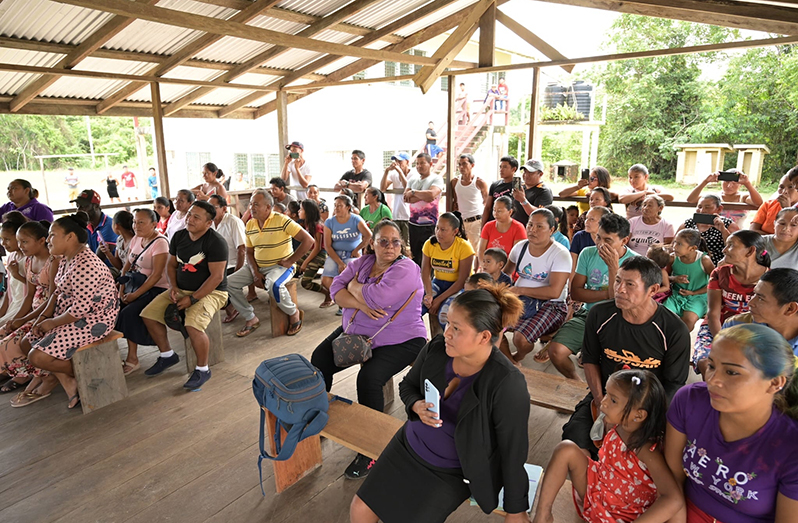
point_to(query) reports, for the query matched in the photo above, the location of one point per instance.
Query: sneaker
(162, 364)
(339, 312)
(359, 468)
(197, 379)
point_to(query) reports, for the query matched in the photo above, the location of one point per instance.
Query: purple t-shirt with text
(33, 210)
(739, 481)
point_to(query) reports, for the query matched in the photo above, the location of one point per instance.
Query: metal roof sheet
(435, 17)
(49, 21)
(314, 7)
(384, 12)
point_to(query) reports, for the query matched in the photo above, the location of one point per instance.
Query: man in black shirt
(507, 169)
(197, 276)
(632, 330)
(358, 179)
(534, 196)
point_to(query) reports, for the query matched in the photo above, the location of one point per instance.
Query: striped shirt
(272, 242)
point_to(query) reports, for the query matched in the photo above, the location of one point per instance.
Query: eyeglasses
(385, 242)
(592, 179)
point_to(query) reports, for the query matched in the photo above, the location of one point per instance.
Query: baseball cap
(533, 166)
(401, 157)
(295, 144)
(87, 197)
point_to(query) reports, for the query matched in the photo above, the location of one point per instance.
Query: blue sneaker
(162, 364)
(339, 312)
(197, 379)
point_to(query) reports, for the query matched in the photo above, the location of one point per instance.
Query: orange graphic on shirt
(632, 359)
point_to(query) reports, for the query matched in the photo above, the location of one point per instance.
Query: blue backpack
(294, 391)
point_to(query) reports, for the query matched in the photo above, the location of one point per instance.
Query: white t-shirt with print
(535, 271)
(400, 209)
(293, 178)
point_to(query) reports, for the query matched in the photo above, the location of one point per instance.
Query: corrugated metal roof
(12, 83)
(91, 88)
(49, 21)
(435, 17)
(238, 50)
(382, 13)
(314, 7)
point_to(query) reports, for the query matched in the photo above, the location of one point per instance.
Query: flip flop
(326, 303)
(24, 399)
(250, 300)
(70, 401)
(294, 329)
(131, 368)
(231, 319)
(247, 330)
(542, 355)
(11, 386)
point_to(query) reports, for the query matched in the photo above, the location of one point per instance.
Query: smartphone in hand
(706, 219)
(516, 183)
(431, 395)
(728, 176)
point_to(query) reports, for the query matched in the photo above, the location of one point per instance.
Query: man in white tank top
(468, 197)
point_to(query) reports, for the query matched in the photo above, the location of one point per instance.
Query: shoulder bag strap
(144, 249)
(394, 315)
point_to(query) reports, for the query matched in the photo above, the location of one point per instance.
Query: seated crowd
(618, 295)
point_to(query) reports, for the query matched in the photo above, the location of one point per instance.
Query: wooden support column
(487, 37)
(531, 147)
(451, 139)
(282, 122)
(158, 141)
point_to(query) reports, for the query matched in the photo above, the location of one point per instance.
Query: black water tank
(553, 95)
(582, 93)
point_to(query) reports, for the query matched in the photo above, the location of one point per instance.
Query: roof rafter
(406, 20)
(185, 53)
(107, 31)
(532, 39)
(315, 28)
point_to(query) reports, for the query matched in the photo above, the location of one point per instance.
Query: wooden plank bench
(552, 391)
(215, 347)
(278, 319)
(98, 371)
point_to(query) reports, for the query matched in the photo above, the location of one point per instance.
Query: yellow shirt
(272, 243)
(446, 264)
(583, 206)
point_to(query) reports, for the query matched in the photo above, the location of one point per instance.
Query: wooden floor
(165, 454)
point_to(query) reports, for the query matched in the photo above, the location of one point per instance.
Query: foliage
(22, 137)
(562, 112)
(561, 145)
(653, 102)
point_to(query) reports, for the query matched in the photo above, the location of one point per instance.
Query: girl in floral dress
(81, 310)
(32, 242)
(631, 479)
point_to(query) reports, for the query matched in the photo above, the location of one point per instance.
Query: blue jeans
(438, 286)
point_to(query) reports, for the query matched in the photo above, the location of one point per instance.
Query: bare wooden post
(451, 139)
(282, 122)
(159, 144)
(531, 148)
(487, 37)
(44, 182)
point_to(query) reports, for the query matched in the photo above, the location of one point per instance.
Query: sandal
(128, 368)
(23, 399)
(231, 319)
(70, 401)
(247, 330)
(294, 329)
(542, 355)
(250, 299)
(328, 302)
(12, 385)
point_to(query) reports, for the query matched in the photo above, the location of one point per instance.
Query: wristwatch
(192, 299)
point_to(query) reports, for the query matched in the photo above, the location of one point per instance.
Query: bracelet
(192, 299)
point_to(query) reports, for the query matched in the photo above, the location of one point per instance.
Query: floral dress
(85, 289)
(13, 360)
(619, 486)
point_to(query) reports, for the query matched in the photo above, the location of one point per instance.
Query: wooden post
(451, 139)
(487, 37)
(531, 148)
(44, 182)
(159, 144)
(282, 122)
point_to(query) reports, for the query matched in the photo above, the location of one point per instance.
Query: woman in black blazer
(477, 445)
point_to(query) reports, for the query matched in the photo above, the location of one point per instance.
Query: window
(194, 163)
(386, 158)
(241, 164)
(258, 168)
(390, 69)
(359, 76)
(272, 169)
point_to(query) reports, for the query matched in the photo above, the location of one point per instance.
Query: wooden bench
(215, 348)
(98, 371)
(553, 392)
(279, 320)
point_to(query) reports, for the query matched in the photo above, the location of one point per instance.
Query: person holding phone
(714, 228)
(534, 194)
(596, 177)
(296, 170)
(730, 182)
(787, 196)
(632, 197)
(478, 444)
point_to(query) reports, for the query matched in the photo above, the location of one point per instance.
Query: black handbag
(351, 349)
(134, 278)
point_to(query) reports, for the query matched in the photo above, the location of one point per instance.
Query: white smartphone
(431, 395)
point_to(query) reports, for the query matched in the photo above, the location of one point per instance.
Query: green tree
(653, 101)
(24, 136)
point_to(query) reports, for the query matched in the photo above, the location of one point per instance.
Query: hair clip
(764, 252)
(635, 380)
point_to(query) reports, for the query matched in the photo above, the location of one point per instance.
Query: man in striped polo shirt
(270, 262)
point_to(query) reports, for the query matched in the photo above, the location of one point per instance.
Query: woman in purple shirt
(731, 441)
(23, 199)
(371, 289)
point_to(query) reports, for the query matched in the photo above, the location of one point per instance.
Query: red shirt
(129, 179)
(505, 240)
(735, 294)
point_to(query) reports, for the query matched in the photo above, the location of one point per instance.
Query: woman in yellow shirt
(446, 265)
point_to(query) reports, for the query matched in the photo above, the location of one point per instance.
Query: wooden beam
(253, 10)
(209, 24)
(129, 77)
(487, 37)
(742, 15)
(282, 123)
(159, 145)
(320, 85)
(87, 108)
(427, 76)
(411, 41)
(532, 39)
(315, 28)
(451, 138)
(326, 60)
(533, 117)
(95, 40)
